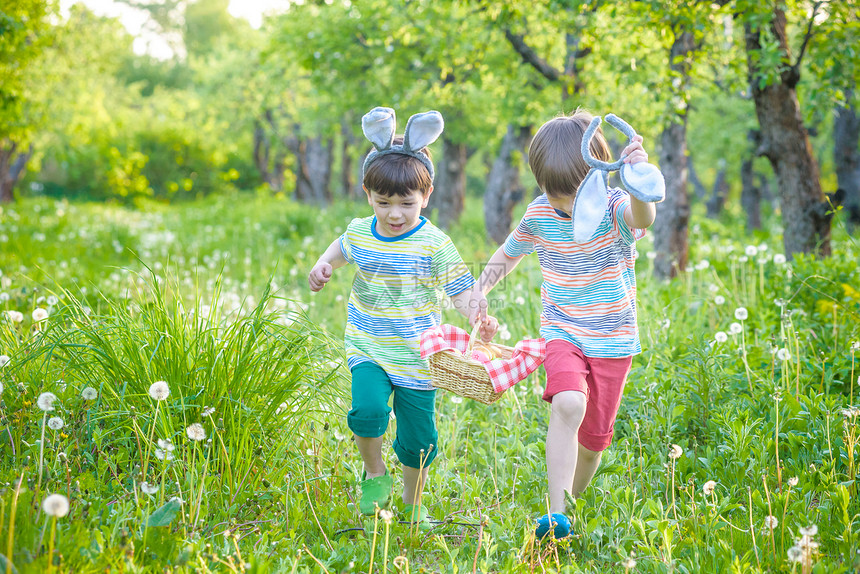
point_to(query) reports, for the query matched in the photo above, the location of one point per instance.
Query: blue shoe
(560, 525)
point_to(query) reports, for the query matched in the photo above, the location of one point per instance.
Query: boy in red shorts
(588, 296)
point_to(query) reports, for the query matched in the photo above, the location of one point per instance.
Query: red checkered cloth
(527, 356)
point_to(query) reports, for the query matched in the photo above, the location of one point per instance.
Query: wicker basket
(461, 375)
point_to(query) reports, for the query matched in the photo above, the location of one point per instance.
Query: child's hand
(634, 152)
(477, 307)
(488, 329)
(319, 276)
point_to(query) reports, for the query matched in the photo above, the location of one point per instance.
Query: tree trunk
(12, 166)
(785, 142)
(714, 205)
(358, 186)
(673, 214)
(504, 189)
(271, 170)
(312, 169)
(347, 169)
(449, 189)
(693, 178)
(750, 196)
(846, 133)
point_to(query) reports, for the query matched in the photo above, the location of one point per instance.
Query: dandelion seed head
(855, 346)
(56, 505)
(55, 423)
(166, 444)
(783, 354)
(675, 452)
(456, 399)
(89, 394)
(810, 530)
(196, 432)
(46, 401)
(39, 315)
(719, 300)
(779, 259)
(795, 554)
(743, 258)
(741, 314)
(751, 250)
(147, 488)
(770, 522)
(386, 516)
(208, 411)
(708, 487)
(161, 454)
(736, 329)
(721, 337)
(4, 360)
(629, 564)
(159, 390)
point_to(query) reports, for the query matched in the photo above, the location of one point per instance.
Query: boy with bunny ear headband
(403, 264)
(584, 234)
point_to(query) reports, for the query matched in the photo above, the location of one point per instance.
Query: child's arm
(489, 324)
(497, 268)
(639, 215)
(329, 261)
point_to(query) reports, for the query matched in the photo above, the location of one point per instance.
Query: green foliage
(272, 488)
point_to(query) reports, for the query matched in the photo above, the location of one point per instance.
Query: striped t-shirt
(589, 289)
(396, 295)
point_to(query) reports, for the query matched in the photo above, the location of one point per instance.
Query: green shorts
(415, 412)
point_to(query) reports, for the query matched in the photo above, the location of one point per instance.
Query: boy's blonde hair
(555, 157)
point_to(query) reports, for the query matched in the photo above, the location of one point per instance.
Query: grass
(210, 298)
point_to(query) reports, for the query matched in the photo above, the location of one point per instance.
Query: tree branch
(530, 57)
(795, 69)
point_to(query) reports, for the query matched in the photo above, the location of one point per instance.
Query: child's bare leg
(413, 483)
(586, 466)
(562, 446)
(370, 449)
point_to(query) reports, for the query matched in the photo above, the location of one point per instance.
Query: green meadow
(200, 391)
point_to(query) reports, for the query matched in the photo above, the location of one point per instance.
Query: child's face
(395, 214)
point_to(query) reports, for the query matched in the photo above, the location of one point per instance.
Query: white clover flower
(15, 316)
(39, 314)
(779, 259)
(166, 445)
(55, 423)
(751, 250)
(708, 487)
(783, 354)
(721, 337)
(46, 401)
(770, 522)
(810, 530)
(56, 505)
(719, 300)
(4, 360)
(148, 488)
(159, 390)
(735, 329)
(208, 411)
(793, 481)
(675, 452)
(196, 432)
(741, 314)
(89, 394)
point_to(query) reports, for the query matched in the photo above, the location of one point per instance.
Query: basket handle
(472, 338)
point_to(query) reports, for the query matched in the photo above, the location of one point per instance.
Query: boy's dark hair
(555, 157)
(398, 174)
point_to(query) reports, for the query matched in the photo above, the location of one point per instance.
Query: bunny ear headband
(643, 180)
(421, 130)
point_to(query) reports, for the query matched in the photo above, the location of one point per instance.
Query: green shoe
(375, 492)
(417, 514)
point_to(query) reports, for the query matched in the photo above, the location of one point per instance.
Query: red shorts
(601, 380)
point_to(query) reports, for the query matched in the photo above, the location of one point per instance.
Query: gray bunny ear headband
(421, 130)
(643, 180)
